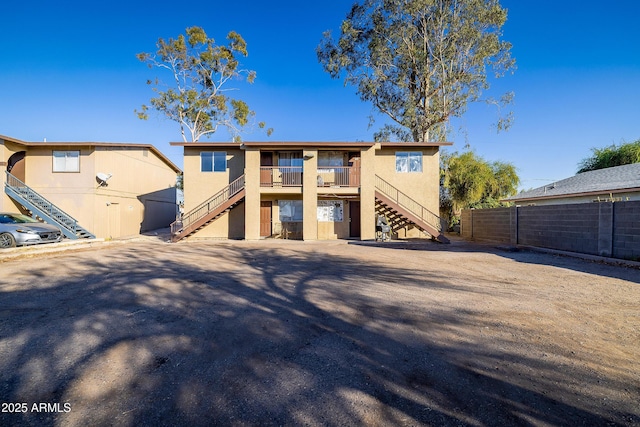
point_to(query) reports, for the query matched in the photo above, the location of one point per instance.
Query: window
(327, 160)
(290, 158)
(408, 161)
(66, 161)
(330, 211)
(213, 161)
(290, 210)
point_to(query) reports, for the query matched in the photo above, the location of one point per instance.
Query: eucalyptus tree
(200, 72)
(420, 62)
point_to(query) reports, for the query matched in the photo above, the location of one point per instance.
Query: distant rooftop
(609, 180)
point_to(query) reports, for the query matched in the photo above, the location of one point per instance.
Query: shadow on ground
(228, 335)
(604, 267)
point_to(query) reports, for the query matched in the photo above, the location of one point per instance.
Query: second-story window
(213, 161)
(66, 161)
(408, 161)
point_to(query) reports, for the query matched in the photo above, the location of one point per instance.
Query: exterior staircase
(43, 208)
(401, 210)
(208, 211)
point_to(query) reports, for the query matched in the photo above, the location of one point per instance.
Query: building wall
(140, 194)
(606, 229)
(7, 148)
(423, 187)
(141, 184)
(73, 192)
(200, 186)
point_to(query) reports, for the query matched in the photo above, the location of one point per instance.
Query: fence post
(605, 229)
(513, 225)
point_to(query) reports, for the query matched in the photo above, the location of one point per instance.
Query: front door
(354, 219)
(265, 219)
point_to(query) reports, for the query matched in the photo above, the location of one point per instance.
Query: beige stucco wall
(6, 150)
(423, 187)
(200, 186)
(330, 230)
(140, 193)
(141, 185)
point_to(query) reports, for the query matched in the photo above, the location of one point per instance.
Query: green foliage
(420, 62)
(624, 154)
(469, 181)
(200, 71)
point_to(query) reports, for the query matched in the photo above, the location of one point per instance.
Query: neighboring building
(620, 183)
(309, 190)
(89, 189)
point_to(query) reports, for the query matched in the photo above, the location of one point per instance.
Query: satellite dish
(102, 178)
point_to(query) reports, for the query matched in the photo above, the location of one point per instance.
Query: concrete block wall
(487, 224)
(605, 229)
(626, 230)
(568, 227)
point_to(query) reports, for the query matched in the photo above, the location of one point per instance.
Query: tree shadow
(605, 267)
(226, 334)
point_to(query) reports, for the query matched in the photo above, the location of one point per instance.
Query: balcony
(328, 177)
(280, 176)
(338, 176)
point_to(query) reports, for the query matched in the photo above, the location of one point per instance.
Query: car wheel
(7, 241)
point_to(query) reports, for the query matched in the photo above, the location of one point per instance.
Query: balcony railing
(338, 176)
(291, 176)
(280, 176)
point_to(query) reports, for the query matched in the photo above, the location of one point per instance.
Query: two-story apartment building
(309, 190)
(89, 189)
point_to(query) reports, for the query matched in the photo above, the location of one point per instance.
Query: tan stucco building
(309, 190)
(110, 189)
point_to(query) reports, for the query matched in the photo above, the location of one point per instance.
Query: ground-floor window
(330, 211)
(290, 210)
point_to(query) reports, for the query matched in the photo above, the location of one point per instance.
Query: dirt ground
(147, 333)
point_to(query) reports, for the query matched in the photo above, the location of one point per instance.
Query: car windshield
(6, 218)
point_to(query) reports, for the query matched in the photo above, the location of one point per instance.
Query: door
(354, 219)
(266, 174)
(113, 220)
(265, 219)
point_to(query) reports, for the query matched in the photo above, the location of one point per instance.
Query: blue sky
(68, 72)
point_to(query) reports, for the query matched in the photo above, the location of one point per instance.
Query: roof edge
(572, 195)
(151, 147)
(327, 144)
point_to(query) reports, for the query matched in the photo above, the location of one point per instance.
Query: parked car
(18, 230)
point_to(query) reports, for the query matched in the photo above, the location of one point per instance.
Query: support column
(252, 194)
(310, 195)
(513, 225)
(368, 193)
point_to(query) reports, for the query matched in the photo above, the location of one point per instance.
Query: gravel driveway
(147, 333)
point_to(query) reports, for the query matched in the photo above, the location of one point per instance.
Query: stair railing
(406, 202)
(204, 208)
(48, 208)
